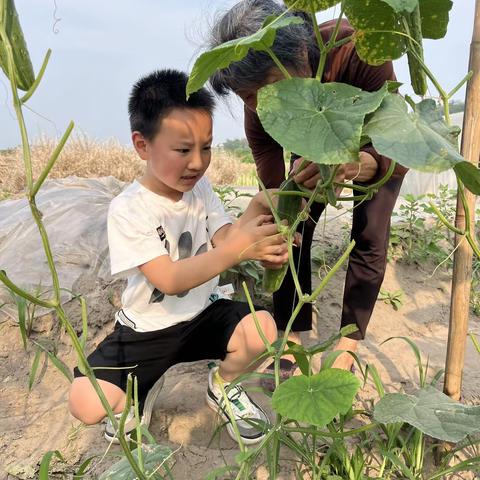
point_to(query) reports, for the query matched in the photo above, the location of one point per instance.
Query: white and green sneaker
(244, 409)
(145, 414)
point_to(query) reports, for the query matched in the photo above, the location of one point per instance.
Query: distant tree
(238, 147)
(456, 106)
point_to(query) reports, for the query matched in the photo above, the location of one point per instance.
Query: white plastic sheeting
(75, 216)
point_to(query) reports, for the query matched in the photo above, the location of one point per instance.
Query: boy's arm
(252, 240)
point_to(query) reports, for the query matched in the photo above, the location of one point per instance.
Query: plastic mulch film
(75, 216)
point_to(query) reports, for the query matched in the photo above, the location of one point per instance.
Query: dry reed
(86, 157)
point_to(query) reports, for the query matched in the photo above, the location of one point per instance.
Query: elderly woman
(297, 49)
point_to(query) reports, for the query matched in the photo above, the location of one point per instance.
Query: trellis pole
(462, 264)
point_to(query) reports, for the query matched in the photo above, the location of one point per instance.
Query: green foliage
(418, 139)
(418, 237)
(239, 148)
(319, 121)
(23, 69)
(431, 411)
(156, 465)
(374, 22)
(380, 33)
(395, 299)
(300, 397)
(311, 5)
(233, 51)
(470, 176)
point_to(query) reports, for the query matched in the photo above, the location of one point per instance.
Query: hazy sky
(100, 47)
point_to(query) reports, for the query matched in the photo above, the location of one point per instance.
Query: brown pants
(366, 266)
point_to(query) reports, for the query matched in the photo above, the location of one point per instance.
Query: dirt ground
(36, 422)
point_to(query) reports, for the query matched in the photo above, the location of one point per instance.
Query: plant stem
(267, 344)
(18, 108)
(22, 293)
(278, 63)
(53, 158)
(46, 246)
(38, 78)
(330, 274)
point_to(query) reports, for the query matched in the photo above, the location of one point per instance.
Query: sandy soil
(36, 422)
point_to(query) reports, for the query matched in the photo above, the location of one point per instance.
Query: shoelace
(241, 408)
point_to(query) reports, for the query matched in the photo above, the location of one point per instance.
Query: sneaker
(146, 410)
(243, 408)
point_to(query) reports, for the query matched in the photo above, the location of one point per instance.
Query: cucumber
(417, 74)
(288, 208)
(24, 75)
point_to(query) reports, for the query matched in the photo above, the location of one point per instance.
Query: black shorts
(148, 355)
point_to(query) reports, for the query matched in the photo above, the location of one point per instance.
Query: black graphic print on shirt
(185, 245)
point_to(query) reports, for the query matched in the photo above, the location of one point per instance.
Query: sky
(101, 47)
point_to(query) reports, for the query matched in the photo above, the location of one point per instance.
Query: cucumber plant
(310, 408)
(304, 115)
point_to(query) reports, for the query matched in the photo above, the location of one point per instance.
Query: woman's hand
(362, 171)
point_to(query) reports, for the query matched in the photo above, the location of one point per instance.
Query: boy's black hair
(154, 96)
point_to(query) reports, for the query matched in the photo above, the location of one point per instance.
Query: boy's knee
(269, 329)
(83, 401)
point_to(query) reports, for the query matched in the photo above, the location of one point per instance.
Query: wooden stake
(462, 265)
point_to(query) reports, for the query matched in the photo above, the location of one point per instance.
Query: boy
(168, 233)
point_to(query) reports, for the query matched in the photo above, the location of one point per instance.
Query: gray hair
(245, 18)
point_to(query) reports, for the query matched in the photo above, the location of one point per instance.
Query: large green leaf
(420, 140)
(402, 5)
(431, 411)
(320, 121)
(435, 17)
(316, 399)
(470, 176)
(234, 50)
(311, 5)
(374, 21)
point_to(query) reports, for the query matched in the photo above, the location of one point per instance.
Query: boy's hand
(297, 242)
(257, 239)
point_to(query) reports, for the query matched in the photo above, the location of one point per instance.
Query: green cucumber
(288, 208)
(417, 74)
(24, 75)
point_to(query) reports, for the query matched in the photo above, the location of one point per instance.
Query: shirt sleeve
(133, 239)
(216, 215)
(267, 153)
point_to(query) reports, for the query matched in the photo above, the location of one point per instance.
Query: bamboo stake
(462, 267)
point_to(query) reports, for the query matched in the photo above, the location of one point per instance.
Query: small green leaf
(83, 468)
(234, 50)
(319, 121)
(22, 314)
(83, 338)
(311, 5)
(62, 367)
(432, 412)
(375, 23)
(34, 368)
(469, 174)
(402, 5)
(45, 464)
(316, 399)
(435, 17)
(420, 140)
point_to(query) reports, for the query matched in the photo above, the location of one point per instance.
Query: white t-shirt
(142, 226)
